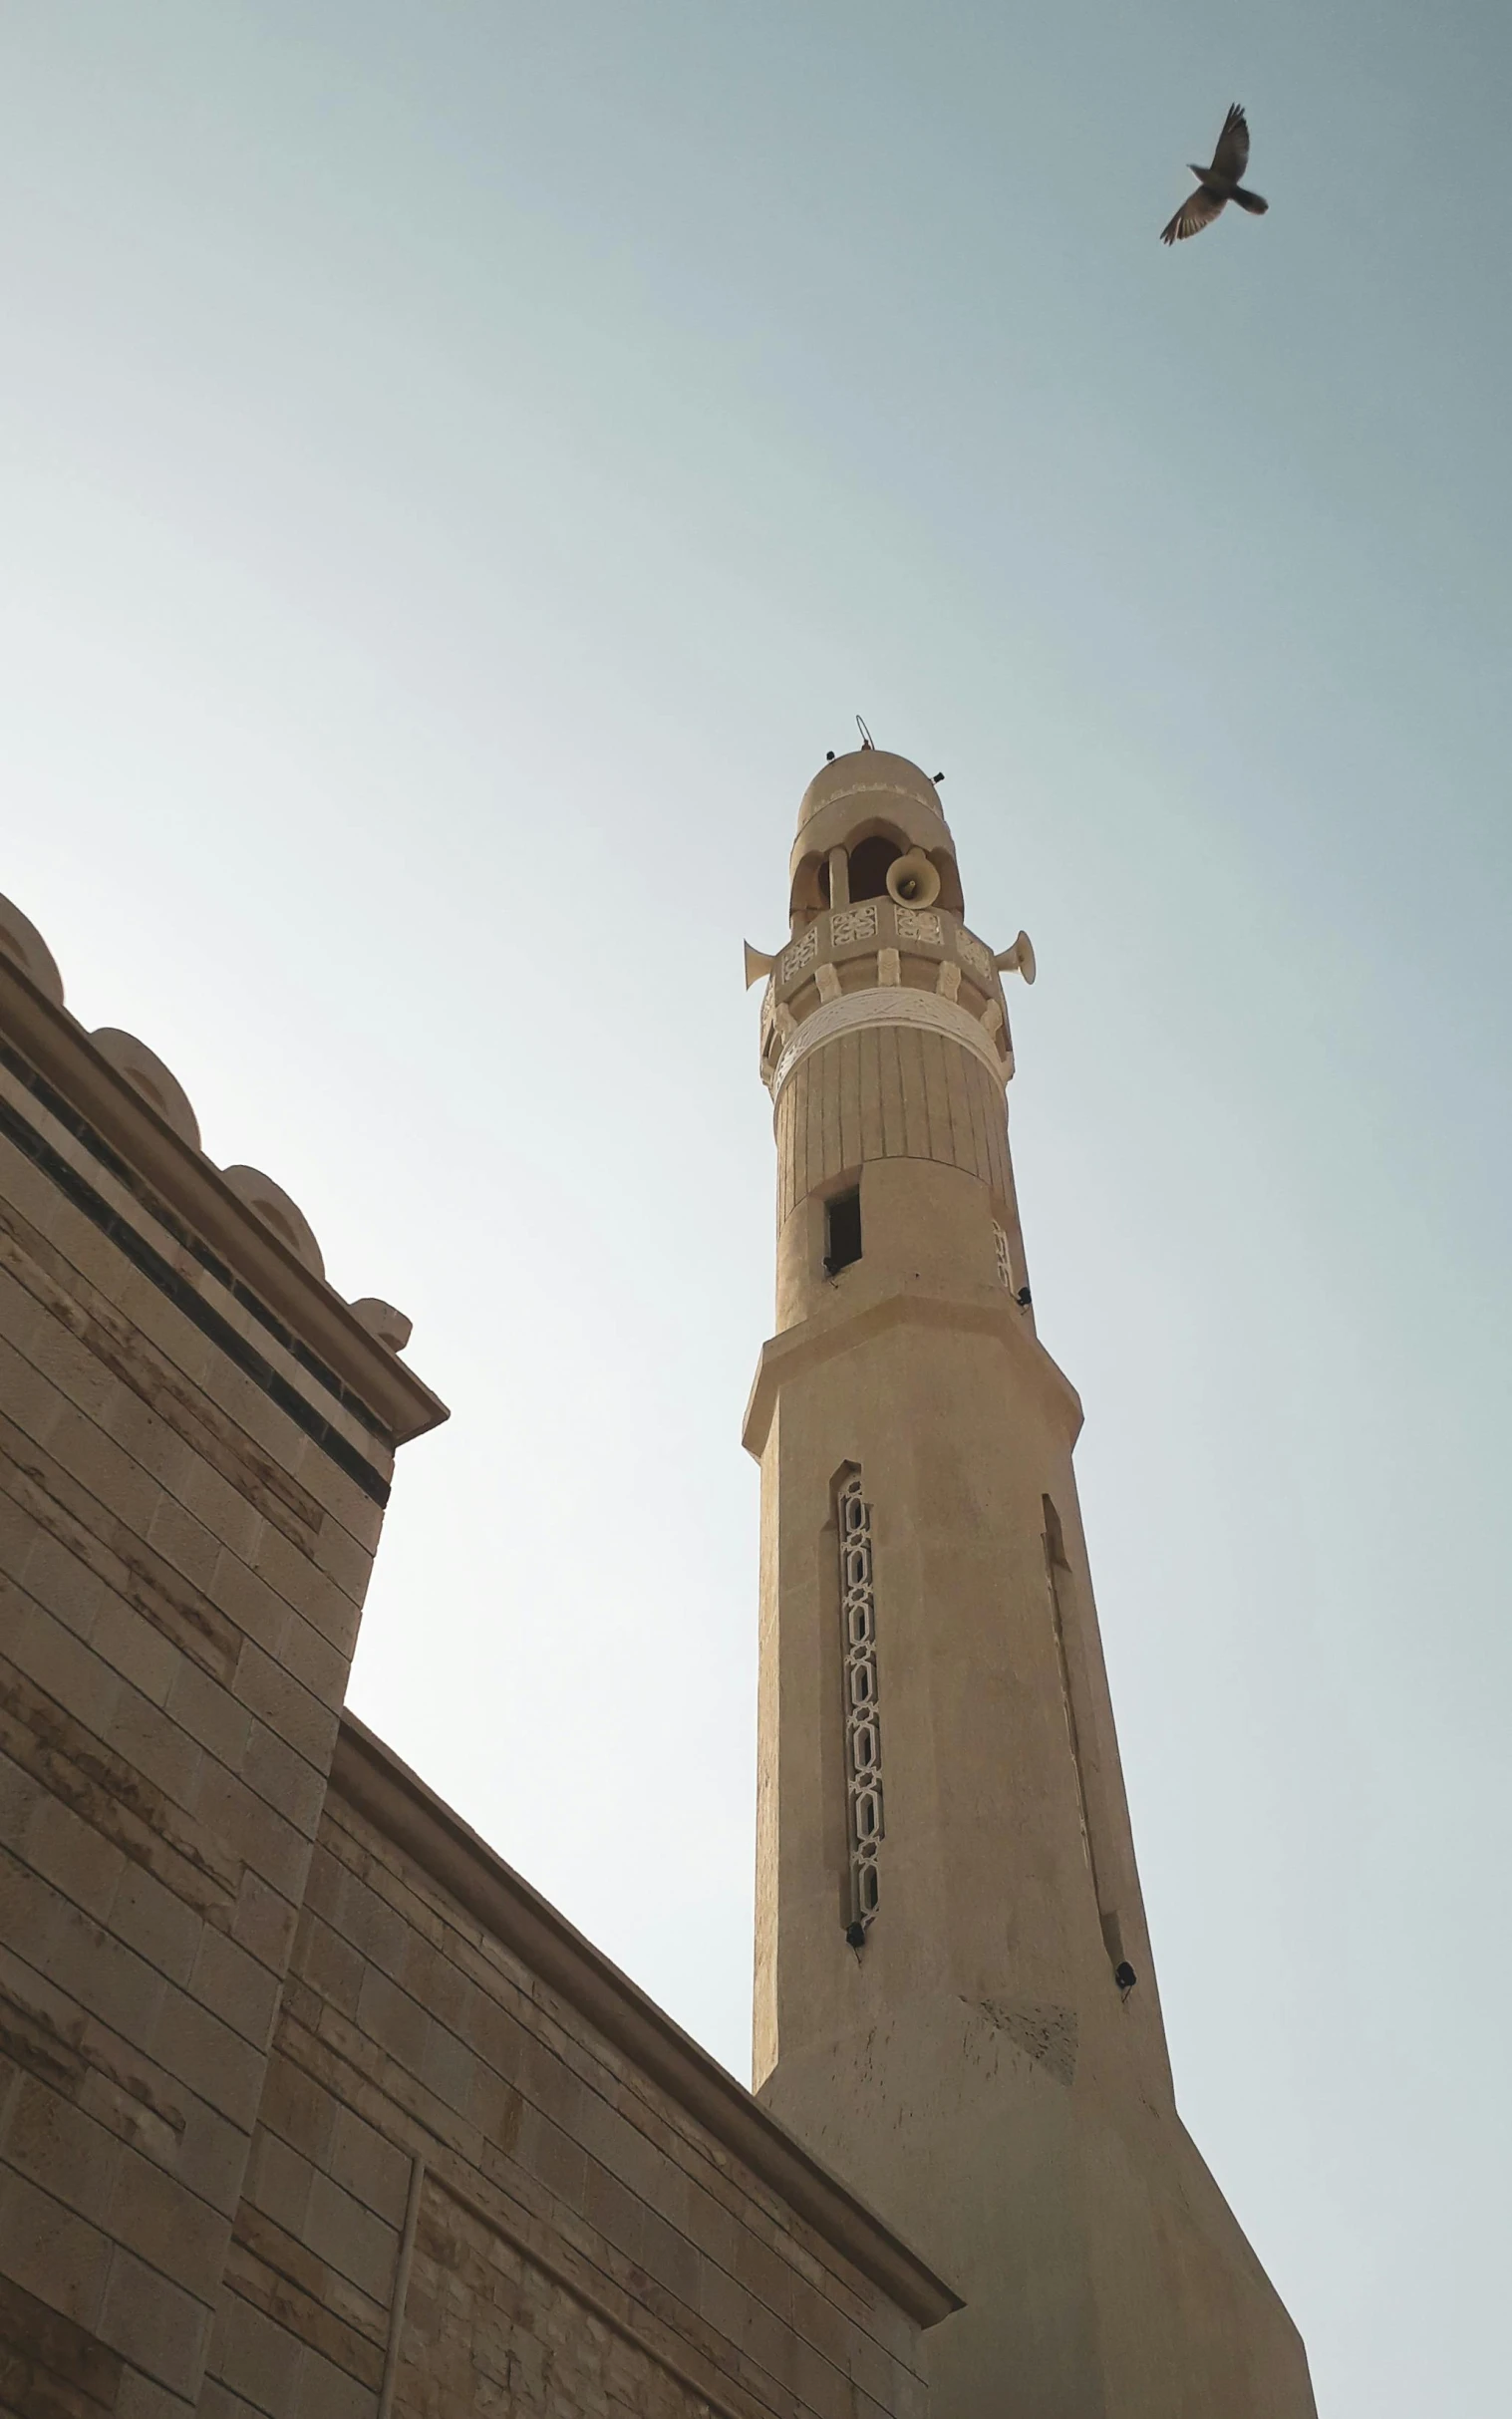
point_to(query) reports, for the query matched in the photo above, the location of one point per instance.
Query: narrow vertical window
(1058, 1573)
(863, 1736)
(842, 1230)
(1054, 1565)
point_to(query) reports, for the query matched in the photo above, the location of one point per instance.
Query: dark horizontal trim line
(184, 1298)
(100, 1149)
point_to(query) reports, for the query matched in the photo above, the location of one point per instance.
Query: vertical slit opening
(1058, 1572)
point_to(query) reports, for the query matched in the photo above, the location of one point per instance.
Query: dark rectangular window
(842, 1231)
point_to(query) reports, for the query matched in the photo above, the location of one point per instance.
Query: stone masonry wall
(290, 2129)
(577, 2243)
(188, 1511)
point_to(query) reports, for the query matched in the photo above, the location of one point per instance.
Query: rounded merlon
(23, 944)
(151, 1080)
(282, 1216)
(389, 1327)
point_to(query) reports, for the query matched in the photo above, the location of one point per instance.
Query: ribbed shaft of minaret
(955, 1998)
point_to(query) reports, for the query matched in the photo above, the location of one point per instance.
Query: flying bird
(1218, 184)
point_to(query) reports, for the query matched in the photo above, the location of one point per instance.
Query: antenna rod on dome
(866, 739)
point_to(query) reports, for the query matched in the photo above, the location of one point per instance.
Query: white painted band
(888, 1004)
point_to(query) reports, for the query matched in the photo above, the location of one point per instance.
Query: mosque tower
(955, 2004)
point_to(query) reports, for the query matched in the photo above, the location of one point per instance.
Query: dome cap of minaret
(865, 786)
(866, 793)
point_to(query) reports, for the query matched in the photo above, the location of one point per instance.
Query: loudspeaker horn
(758, 964)
(912, 881)
(1020, 960)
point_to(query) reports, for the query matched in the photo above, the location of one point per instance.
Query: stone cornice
(816, 1340)
(193, 1190)
(371, 1778)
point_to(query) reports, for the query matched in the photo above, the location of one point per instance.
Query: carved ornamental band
(891, 1004)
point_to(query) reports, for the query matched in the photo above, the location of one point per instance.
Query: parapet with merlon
(120, 1101)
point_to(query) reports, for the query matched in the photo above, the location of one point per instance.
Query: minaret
(955, 2004)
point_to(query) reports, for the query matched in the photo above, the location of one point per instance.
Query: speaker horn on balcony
(1020, 960)
(912, 881)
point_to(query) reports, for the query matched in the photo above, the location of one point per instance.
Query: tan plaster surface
(974, 2068)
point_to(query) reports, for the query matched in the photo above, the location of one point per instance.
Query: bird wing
(1197, 211)
(1231, 154)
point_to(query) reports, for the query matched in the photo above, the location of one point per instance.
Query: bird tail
(1254, 202)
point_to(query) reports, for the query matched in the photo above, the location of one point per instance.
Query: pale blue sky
(460, 467)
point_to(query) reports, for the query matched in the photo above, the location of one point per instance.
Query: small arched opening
(870, 862)
(811, 891)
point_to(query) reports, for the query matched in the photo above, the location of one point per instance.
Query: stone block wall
(195, 1443)
(309, 2109)
(488, 2176)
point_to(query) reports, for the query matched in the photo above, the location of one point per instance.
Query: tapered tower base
(1104, 2275)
